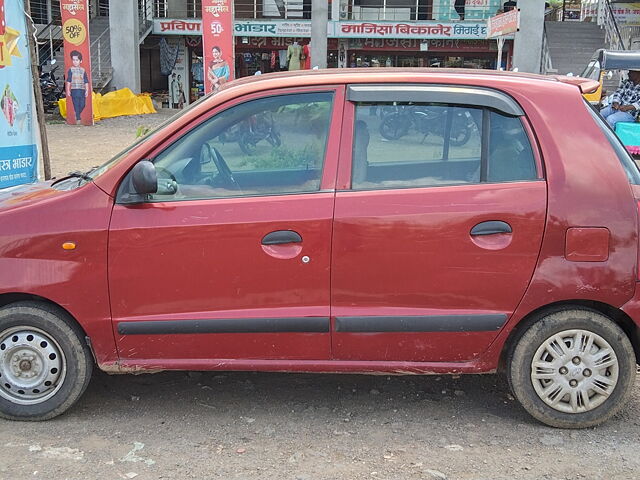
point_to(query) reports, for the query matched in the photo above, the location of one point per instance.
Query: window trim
(344, 181)
(467, 96)
(330, 164)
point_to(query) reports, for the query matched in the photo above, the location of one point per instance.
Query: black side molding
(227, 325)
(427, 323)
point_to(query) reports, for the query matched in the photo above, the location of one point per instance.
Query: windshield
(592, 70)
(109, 164)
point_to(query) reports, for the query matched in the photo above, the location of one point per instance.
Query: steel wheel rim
(32, 365)
(574, 371)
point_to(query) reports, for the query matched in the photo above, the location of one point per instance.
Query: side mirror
(144, 178)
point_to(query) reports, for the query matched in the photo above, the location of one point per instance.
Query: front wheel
(573, 368)
(394, 126)
(45, 365)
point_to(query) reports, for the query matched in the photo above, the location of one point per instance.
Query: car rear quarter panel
(587, 187)
(33, 262)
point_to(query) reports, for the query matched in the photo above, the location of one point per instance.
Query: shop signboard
(77, 61)
(415, 44)
(273, 29)
(176, 26)
(18, 140)
(626, 13)
(423, 30)
(335, 29)
(217, 43)
(503, 24)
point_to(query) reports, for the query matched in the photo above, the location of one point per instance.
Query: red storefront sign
(276, 43)
(217, 37)
(77, 61)
(374, 44)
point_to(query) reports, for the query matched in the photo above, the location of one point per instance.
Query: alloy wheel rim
(32, 365)
(574, 371)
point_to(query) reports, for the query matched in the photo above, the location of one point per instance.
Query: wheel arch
(14, 297)
(618, 316)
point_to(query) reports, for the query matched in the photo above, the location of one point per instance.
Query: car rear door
(230, 260)
(439, 217)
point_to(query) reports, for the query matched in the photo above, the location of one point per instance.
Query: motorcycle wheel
(248, 144)
(274, 138)
(394, 126)
(460, 131)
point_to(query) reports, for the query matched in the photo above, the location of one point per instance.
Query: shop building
(274, 35)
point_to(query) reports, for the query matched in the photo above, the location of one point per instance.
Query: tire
(394, 126)
(460, 131)
(248, 144)
(45, 364)
(585, 368)
(274, 138)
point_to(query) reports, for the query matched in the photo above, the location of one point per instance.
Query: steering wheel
(221, 165)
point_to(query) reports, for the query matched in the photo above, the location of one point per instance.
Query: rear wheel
(45, 365)
(394, 126)
(573, 369)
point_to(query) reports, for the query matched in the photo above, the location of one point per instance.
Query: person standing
(77, 84)
(625, 102)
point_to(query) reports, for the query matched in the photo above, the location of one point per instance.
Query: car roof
(619, 60)
(418, 75)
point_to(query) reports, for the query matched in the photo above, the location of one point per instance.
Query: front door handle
(280, 237)
(491, 228)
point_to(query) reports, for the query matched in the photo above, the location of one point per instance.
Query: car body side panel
(33, 262)
(587, 188)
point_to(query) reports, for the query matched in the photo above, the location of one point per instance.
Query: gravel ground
(297, 426)
(310, 427)
(76, 147)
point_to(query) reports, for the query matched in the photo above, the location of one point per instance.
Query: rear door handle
(491, 228)
(280, 237)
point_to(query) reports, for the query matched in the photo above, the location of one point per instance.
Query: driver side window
(269, 146)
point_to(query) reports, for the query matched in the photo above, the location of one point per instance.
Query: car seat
(360, 165)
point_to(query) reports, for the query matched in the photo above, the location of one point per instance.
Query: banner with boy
(77, 61)
(18, 123)
(218, 44)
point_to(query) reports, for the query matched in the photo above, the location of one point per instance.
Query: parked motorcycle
(252, 131)
(51, 91)
(397, 121)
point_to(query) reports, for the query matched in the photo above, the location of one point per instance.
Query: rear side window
(630, 167)
(408, 145)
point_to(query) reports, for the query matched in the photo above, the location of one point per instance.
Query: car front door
(230, 259)
(440, 210)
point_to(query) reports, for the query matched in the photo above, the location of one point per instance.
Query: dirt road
(75, 147)
(299, 427)
(310, 427)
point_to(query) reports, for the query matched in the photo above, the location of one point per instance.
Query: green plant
(283, 157)
(142, 130)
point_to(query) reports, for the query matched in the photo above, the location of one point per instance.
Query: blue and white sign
(18, 141)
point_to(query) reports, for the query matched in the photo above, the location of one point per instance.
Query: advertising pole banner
(179, 78)
(18, 137)
(77, 61)
(217, 43)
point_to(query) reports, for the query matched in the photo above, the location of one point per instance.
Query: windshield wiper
(82, 175)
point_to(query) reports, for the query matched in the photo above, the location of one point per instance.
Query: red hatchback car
(387, 221)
